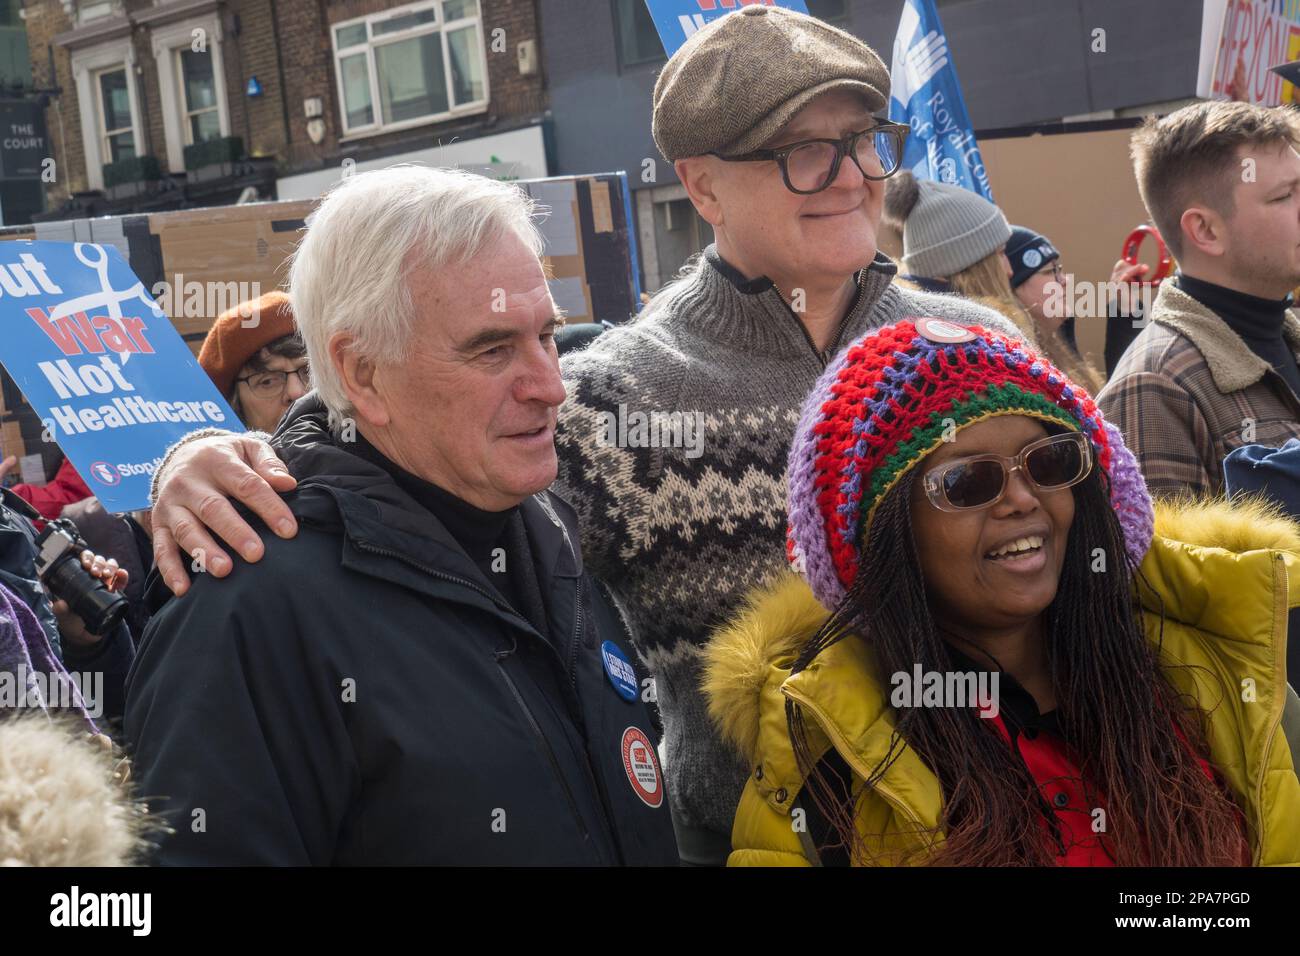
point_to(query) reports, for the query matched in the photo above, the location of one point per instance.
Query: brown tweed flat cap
(736, 82)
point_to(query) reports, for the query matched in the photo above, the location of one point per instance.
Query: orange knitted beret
(240, 333)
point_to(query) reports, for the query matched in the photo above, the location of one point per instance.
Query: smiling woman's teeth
(1031, 543)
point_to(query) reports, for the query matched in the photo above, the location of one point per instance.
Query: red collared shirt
(1078, 818)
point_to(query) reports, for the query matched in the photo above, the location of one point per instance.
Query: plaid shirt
(1189, 390)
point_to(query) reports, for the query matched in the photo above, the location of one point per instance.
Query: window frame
(86, 61)
(103, 133)
(371, 43)
(166, 43)
(182, 96)
(111, 9)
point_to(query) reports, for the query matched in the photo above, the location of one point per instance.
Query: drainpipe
(58, 112)
(284, 93)
(237, 30)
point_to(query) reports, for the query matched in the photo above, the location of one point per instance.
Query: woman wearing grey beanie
(954, 241)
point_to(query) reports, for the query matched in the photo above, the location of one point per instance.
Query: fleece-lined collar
(1232, 364)
(1201, 551)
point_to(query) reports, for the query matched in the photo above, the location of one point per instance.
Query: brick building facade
(303, 86)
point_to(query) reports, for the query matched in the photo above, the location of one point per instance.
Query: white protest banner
(1253, 35)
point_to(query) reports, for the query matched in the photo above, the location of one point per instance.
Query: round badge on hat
(1032, 258)
(642, 767)
(943, 333)
(619, 670)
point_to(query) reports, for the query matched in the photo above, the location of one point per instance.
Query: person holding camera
(65, 795)
(76, 610)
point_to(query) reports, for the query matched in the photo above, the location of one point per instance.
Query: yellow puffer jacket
(1226, 575)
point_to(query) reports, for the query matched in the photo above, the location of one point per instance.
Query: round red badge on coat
(642, 767)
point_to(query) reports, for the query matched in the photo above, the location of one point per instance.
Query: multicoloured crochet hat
(887, 401)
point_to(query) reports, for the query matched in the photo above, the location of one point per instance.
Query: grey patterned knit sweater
(681, 534)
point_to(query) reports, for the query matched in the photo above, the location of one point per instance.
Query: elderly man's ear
(359, 376)
(697, 176)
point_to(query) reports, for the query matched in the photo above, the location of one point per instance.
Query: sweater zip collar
(834, 347)
(744, 312)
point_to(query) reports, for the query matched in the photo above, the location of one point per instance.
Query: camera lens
(100, 608)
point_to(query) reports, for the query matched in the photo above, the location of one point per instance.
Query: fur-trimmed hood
(1207, 558)
(64, 799)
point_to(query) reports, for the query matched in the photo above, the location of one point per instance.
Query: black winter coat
(362, 696)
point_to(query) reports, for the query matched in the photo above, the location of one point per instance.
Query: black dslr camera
(59, 566)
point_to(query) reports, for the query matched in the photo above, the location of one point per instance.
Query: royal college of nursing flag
(927, 96)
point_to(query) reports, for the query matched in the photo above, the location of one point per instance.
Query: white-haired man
(424, 674)
(767, 115)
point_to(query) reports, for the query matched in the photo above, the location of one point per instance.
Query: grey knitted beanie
(945, 228)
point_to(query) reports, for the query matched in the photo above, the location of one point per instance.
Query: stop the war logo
(101, 364)
(104, 473)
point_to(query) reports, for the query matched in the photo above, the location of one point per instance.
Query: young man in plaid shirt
(1216, 367)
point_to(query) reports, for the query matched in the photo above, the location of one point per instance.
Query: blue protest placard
(925, 94)
(101, 364)
(677, 20)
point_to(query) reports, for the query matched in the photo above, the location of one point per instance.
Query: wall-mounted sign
(23, 146)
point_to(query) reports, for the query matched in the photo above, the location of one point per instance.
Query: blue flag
(112, 380)
(677, 20)
(926, 95)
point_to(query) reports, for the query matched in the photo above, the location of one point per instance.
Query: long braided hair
(1117, 708)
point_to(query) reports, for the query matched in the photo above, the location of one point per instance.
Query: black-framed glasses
(810, 165)
(274, 383)
(1050, 464)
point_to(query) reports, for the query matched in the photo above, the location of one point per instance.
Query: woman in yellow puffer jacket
(992, 657)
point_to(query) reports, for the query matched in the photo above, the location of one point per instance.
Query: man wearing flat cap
(768, 118)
